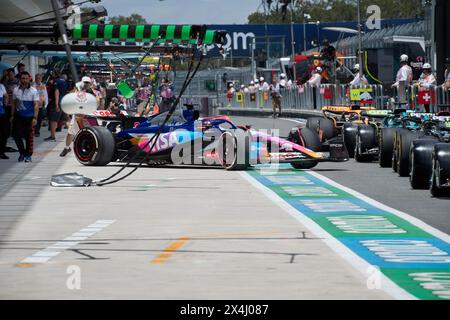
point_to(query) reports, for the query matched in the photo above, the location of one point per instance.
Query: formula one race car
(429, 160)
(375, 140)
(188, 139)
(338, 122)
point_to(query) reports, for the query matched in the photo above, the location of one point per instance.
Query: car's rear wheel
(94, 146)
(365, 141)
(404, 145)
(441, 170)
(323, 125)
(350, 130)
(310, 140)
(234, 150)
(386, 144)
(421, 163)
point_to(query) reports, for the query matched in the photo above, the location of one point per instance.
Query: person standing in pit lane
(42, 91)
(58, 91)
(4, 122)
(84, 85)
(24, 116)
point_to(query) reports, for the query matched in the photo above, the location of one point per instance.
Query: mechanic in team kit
(24, 116)
(84, 85)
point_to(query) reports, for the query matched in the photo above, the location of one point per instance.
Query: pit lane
(371, 180)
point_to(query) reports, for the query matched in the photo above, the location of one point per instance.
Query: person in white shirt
(316, 78)
(252, 87)
(358, 80)
(42, 92)
(404, 74)
(256, 83)
(263, 85)
(427, 79)
(276, 94)
(284, 83)
(231, 89)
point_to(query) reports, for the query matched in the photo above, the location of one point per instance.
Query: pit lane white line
(357, 262)
(45, 255)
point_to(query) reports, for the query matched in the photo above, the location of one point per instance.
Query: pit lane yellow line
(167, 252)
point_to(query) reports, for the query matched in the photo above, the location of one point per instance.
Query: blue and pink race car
(187, 139)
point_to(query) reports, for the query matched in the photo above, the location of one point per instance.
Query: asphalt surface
(163, 233)
(179, 232)
(369, 179)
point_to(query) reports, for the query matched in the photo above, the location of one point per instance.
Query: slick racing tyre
(386, 144)
(404, 148)
(421, 159)
(365, 141)
(350, 130)
(323, 125)
(234, 150)
(396, 148)
(441, 170)
(94, 146)
(310, 140)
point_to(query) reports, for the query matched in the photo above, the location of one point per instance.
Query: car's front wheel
(234, 150)
(94, 146)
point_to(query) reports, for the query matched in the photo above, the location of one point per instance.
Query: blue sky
(185, 11)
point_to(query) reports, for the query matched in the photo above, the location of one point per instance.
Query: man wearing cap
(427, 79)
(263, 85)
(405, 73)
(358, 80)
(404, 79)
(58, 91)
(316, 78)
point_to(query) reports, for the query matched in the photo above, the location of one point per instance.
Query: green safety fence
(176, 34)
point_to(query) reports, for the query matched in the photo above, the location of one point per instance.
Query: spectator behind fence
(24, 116)
(358, 80)
(263, 85)
(4, 122)
(427, 79)
(252, 88)
(43, 97)
(405, 73)
(446, 84)
(316, 78)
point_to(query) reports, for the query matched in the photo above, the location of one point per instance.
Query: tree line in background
(279, 11)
